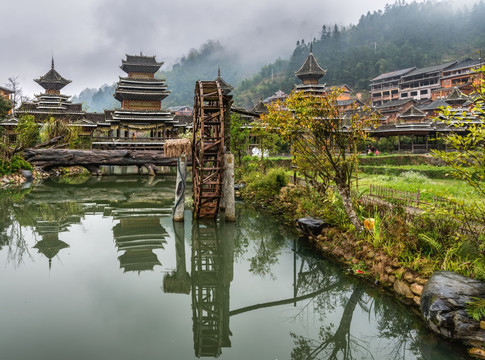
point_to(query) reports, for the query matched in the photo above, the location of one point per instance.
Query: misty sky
(90, 37)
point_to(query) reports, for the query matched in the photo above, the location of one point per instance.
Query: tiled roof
(260, 108)
(310, 67)
(466, 63)
(456, 96)
(5, 90)
(412, 112)
(430, 69)
(393, 103)
(52, 80)
(393, 74)
(140, 63)
(435, 105)
(225, 87)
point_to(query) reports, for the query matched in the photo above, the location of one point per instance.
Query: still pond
(97, 270)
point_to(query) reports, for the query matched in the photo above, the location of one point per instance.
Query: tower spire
(52, 63)
(311, 47)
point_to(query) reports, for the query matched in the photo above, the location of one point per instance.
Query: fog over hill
(400, 35)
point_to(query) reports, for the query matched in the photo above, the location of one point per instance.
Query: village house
(385, 87)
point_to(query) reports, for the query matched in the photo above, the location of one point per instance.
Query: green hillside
(401, 36)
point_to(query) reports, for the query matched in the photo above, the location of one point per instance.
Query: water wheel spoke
(208, 148)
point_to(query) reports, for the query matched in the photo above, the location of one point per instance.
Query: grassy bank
(436, 239)
(413, 180)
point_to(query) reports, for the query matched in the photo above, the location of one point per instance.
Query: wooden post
(178, 210)
(399, 143)
(229, 200)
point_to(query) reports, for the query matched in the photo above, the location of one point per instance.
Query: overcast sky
(90, 37)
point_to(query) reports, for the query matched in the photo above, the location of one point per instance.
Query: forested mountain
(401, 36)
(202, 64)
(97, 100)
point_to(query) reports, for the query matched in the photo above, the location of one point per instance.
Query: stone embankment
(366, 261)
(441, 298)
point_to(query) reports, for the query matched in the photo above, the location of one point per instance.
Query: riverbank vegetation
(31, 134)
(443, 230)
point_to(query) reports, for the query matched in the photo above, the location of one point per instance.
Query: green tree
(53, 128)
(323, 140)
(239, 136)
(27, 132)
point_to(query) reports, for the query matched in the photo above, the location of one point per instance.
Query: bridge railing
(130, 139)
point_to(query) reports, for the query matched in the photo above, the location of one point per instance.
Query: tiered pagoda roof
(141, 93)
(130, 88)
(140, 64)
(225, 87)
(52, 80)
(50, 246)
(310, 72)
(138, 237)
(52, 102)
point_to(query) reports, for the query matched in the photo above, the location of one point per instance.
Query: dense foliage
(202, 64)
(323, 140)
(402, 36)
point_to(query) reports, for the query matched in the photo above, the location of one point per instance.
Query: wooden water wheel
(207, 148)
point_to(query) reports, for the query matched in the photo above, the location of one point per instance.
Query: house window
(403, 95)
(423, 92)
(414, 93)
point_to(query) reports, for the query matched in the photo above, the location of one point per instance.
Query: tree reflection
(393, 321)
(334, 343)
(11, 232)
(267, 241)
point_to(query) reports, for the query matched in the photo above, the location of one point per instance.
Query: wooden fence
(403, 197)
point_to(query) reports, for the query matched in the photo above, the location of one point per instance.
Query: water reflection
(366, 319)
(212, 273)
(328, 314)
(178, 281)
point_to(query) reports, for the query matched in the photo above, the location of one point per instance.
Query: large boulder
(443, 305)
(310, 226)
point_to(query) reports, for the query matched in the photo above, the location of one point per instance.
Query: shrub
(265, 186)
(15, 164)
